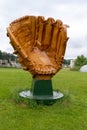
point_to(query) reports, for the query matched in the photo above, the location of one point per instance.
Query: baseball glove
(40, 44)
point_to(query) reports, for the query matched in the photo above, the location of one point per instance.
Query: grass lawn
(69, 113)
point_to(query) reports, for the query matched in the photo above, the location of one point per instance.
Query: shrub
(75, 68)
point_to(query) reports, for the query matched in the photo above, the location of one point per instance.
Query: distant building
(5, 63)
(9, 63)
(72, 63)
(0, 62)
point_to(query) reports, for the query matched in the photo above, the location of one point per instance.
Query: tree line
(7, 56)
(80, 60)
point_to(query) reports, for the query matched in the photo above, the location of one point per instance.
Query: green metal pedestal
(42, 88)
(42, 92)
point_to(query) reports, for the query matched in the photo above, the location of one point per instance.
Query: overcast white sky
(71, 12)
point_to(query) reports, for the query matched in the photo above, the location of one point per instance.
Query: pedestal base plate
(42, 91)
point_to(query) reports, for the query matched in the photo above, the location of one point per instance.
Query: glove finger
(32, 26)
(61, 44)
(47, 32)
(39, 30)
(55, 33)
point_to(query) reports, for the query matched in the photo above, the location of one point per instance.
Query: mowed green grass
(69, 113)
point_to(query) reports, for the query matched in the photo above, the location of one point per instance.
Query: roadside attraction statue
(40, 45)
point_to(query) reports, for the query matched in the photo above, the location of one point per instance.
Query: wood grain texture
(39, 43)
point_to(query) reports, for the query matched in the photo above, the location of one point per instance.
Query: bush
(75, 68)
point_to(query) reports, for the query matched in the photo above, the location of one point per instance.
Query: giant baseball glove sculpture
(40, 44)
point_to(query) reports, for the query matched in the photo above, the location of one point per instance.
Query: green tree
(81, 60)
(0, 54)
(66, 62)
